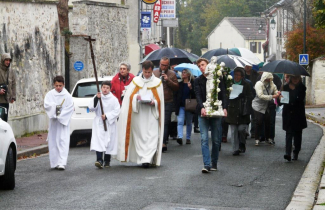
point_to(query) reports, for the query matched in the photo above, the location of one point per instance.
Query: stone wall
(105, 22)
(30, 33)
(315, 83)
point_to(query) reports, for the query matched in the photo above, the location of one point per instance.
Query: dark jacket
(178, 95)
(170, 85)
(7, 77)
(201, 93)
(293, 114)
(118, 85)
(235, 106)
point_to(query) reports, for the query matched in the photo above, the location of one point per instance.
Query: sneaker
(213, 167)
(257, 142)
(106, 164)
(206, 169)
(99, 164)
(179, 141)
(60, 167)
(188, 141)
(271, 141)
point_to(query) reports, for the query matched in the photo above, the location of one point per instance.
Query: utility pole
(305, 22)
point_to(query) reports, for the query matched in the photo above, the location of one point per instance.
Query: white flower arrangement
(229, 77)
(219, 73)
(230, 88)
(218, 90)
(222, 64)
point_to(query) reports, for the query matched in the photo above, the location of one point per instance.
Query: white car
(8, 154)
(82, 118)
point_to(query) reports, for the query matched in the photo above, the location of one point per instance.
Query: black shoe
(295, 156)
(164, 148)
(205, 170)
(242, 147)
(196, 130)
(213, 167)
(106, 164)
(236, 153)
(145, 165)
(188, 141)
(99, 164)
(180, 141)
(287, 157)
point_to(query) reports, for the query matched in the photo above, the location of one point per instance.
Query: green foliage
(319, 13)
(197, 18)
(315, 42)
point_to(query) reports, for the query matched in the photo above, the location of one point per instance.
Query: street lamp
(273, 23)
(260, 28)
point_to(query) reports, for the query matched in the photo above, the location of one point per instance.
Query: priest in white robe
(104, 141)
(59, 107)
(141, 122)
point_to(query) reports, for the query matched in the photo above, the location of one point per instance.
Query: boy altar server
(59, 107)
(141, 123)
(104, 141)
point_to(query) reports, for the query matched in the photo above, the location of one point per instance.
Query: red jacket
(118, 85)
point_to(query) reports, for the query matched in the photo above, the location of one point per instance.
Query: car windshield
(85, 90)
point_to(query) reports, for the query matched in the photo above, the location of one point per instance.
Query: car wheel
(8, 179)
(73, 141)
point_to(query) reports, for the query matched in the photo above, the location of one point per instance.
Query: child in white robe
(104, 141)
(59, 107)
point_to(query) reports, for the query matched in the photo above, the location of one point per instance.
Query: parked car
(8, 153)
(82, 118)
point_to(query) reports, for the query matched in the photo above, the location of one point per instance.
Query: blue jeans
(180, 123)
(205, 123)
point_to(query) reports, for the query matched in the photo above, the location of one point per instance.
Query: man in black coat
(210, 162)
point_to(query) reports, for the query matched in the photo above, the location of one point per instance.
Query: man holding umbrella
(170, 84)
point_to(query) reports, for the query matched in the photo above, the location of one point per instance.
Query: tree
(319, 13)
(315, 42)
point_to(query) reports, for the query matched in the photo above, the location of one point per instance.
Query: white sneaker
(60, 167)
(257, 142)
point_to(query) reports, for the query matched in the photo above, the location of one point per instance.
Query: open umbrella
(175, 55)
(285, 67)
(233, 61)
(246, 53)
(195, 71)
(217, 52)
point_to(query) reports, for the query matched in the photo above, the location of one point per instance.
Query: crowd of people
(133, 113)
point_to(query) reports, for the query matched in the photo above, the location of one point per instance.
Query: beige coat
(263, 93)
(8, 77)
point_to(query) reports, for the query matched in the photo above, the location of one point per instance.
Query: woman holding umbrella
(185, 91)
(293, 116)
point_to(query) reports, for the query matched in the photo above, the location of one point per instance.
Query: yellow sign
(149, 1)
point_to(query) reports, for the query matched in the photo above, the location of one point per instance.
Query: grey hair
(128, 66)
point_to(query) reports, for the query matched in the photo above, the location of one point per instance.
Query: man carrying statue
(207, 121)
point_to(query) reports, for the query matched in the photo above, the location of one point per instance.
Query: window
(253, 47)
(86, 90)
(259, 47)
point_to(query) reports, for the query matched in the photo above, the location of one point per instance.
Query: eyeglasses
(164, 65)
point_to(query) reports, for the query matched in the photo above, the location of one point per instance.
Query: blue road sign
(303, 59)
(78, 66)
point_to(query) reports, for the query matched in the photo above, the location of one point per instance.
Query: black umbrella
(285, 67)
(175, 55)
(217, 52)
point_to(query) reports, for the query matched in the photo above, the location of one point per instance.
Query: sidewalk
(32, 145)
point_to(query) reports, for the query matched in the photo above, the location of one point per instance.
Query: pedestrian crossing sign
(303, 59)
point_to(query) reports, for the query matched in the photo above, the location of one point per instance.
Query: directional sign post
(303, 59)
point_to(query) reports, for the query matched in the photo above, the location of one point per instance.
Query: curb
(35, 150)
(305, 192)
(315, 118)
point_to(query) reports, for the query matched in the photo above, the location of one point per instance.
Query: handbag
(190, 105)
(244, 107)
(270, 104)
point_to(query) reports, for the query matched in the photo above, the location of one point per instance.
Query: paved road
(259, 179)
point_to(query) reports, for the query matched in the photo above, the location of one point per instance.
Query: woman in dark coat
(185, 91)
(293, 116)
(239, 113)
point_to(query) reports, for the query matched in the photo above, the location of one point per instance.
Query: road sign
(303, 59)
(170, 23)
(78, 66)
(145, 21)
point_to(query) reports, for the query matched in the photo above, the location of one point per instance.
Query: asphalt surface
(258, 179)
